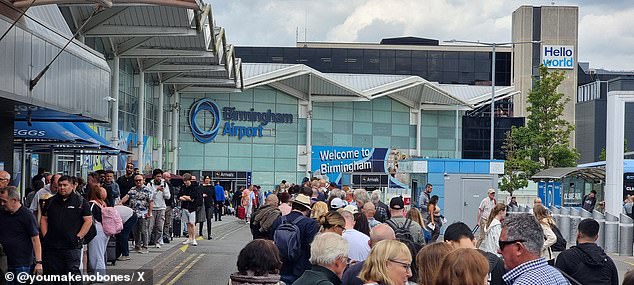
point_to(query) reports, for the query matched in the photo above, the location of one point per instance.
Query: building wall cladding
(380, 123)
(558, 25)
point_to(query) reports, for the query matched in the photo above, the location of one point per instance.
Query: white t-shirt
(358, 244)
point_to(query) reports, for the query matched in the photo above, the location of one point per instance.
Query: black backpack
(402, 233)
(287, 238)
(560, 244)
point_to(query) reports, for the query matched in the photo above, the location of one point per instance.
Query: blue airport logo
(204, 135)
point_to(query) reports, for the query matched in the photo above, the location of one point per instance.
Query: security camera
(110, 99)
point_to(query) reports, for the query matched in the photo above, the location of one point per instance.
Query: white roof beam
(131, 44)
(199, 80)
(337, 98)
(103, 17)
(184, 68)
(149, 63)
(139, 31)
(163, 53)
(289, 90)
(209, 89)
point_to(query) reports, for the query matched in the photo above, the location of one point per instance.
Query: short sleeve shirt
(65, 218)
(17, 230)
(486, 206)
(139, 200)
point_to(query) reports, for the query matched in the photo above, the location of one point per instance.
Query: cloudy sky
(606, 35)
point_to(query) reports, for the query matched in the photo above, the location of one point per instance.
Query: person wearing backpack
(403, 227)
(292, 235)
(586, 261)
(97, 246)
(546, 221)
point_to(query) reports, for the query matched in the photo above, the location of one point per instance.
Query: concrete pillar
(614, 150)
(418, 127)
(175, 126)
(159, 122)
(309, 128)
(114, 105)
(141, 122)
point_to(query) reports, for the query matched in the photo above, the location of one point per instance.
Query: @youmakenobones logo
(204, 135)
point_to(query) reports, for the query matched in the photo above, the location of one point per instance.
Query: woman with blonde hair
(332, 222)
(428, 261)
(464, 266)
(493, 229)
(389, 263)
(415, 215)
(319, 209)
(545, 220)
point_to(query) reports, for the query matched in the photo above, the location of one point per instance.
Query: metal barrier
(626, 231)
(611, 233)
(564, 226)
(600, 218)
(575, 218)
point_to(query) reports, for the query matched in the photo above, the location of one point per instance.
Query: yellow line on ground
(183, 248)
(199, 238)
(191, 264)
(630, 263)
(174, 270)
(169, 257)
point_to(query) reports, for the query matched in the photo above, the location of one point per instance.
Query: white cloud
(605, 33)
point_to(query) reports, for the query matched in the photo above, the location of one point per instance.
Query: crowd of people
(309, 233)
(76, 226)
(346, 236)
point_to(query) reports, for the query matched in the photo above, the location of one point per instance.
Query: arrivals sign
(232, 119)
(561, 57)
(334, 161)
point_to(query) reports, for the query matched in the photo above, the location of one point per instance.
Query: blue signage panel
(334, 161)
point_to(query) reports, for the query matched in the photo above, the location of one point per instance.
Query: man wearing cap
(487, 204)
(308, 228)
(337, 203)
(397, 211)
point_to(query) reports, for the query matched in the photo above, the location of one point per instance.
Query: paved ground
(212, 261)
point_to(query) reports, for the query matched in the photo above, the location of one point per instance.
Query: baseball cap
(351, 208)
(397, 203)
(337, 203)
(491, 190)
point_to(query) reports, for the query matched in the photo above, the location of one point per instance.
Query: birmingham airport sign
(561, 57)
(230, 116)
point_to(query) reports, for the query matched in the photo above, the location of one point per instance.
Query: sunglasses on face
(137, 180)
(504, 243)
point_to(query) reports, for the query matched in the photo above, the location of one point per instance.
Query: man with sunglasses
(521, 243)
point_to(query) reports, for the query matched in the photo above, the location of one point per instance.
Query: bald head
(167, 176)
(349, 217)
(5, 177)
(381, 232)
(271, 200)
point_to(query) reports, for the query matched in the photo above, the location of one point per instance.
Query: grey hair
(12, 192)
(327, 247)
(361, 195)
(337, 193)
(525, 227)
(376, 196)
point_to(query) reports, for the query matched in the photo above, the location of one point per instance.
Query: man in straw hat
(282, 231)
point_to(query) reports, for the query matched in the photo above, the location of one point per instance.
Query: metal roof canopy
(175, 41)
(478, 96)
(587, 173)
(300, 80)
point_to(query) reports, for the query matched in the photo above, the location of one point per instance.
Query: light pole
(492, 45)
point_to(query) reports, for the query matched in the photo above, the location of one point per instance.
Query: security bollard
(575, 218)
(626, 231)
(564, 227)
(585, 214)
(611, 233)
(600, 218)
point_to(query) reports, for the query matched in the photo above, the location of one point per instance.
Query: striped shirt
(535, 272)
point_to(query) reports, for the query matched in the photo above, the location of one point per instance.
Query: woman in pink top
(285, 208)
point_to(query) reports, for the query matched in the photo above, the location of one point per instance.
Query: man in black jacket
(586, 261)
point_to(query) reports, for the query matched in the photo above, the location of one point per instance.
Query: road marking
(199, 238)
(230, 232)
(630, 263)
(183, 248)
(191, 264)
(174, 270)
(168, 258)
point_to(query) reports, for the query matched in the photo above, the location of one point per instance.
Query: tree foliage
(544, 141)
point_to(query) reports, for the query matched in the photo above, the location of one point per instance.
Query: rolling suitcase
(111, 250)
(242, 213)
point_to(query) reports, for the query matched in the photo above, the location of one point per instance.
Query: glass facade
(450, 67)
(380, 123)
(440, 134)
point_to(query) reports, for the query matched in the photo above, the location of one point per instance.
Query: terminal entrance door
(230, 180)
